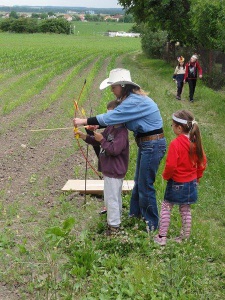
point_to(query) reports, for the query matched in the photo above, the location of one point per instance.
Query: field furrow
(52, 244)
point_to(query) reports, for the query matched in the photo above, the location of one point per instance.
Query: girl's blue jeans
(143, 200)
(180, 85)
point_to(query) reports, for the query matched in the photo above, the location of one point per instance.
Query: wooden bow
(82, 112)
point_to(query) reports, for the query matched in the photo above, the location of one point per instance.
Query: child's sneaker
(180, 239)
(160, 240)
(112, 230)
(103, 211)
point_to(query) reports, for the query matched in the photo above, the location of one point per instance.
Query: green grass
(60, 252)
(99, 28)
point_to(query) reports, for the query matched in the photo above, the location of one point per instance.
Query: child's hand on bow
(98, 136)
(80, 135)
(92, 127)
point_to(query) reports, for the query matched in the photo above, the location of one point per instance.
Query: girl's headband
(182, 121)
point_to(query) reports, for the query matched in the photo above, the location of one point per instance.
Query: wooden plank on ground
(93, 186)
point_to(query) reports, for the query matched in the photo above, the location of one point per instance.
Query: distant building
(72, 12)
(25, 16)
(114, 18)
(123, 34)
(52, 17)
(68, 17)
(90, 12)
(82, 17)
(5, 16)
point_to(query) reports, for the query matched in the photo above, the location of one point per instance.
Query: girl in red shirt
(185, 164)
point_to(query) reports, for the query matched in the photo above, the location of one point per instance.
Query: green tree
(6, 25)
(50, 14)
(128, 18)
(43, 16)
(166, 15)
(35, 15)
(13, 15)
(206, 18)
(191, 22)
(24, 25)
(55, 26)
(220, 41)
(153, 43)
(76, 18)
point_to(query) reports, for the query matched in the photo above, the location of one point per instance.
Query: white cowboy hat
(117, 76)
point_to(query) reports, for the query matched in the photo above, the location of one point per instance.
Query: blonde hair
(140, 92)
(129, 88)
(191, 127)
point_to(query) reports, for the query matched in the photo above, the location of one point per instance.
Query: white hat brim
(105, 83)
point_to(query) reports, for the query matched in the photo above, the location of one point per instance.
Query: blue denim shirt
(139, 113)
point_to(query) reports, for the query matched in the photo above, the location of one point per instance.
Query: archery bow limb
(82, 112)
(76, 107)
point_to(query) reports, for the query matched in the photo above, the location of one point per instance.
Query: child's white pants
(113, 200)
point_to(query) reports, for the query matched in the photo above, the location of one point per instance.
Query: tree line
(31, 25)
(198, 25)
(189, 22)
(48, 22)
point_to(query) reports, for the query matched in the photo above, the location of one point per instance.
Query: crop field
(98, 28)
(52, 243)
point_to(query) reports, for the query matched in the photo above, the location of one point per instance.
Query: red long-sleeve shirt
(179, 165)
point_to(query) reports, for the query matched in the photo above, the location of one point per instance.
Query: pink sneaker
(180, 239)
(160, 240)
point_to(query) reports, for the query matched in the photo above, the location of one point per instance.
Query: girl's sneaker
(160, 240)
(180, 239)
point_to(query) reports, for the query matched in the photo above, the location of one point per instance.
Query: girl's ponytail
(195, 137)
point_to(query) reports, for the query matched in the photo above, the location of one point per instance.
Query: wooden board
(93, 186)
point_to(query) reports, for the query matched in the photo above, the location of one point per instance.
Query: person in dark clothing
(113, 163)
(193, 70)
(178, 76)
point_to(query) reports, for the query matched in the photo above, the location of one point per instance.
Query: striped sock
(165, 218)
(185, 211)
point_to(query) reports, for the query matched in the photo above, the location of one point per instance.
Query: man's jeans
(143, 200)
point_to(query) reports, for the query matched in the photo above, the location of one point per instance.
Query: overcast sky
(78, 3)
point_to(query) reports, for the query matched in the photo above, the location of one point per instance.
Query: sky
(75, 3)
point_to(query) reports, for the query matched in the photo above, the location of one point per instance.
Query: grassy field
(99, 28)
(52, 244)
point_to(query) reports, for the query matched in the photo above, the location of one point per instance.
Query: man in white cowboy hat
(141, 115)
(192, 69)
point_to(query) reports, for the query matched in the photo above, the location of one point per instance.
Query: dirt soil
(33, 168)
